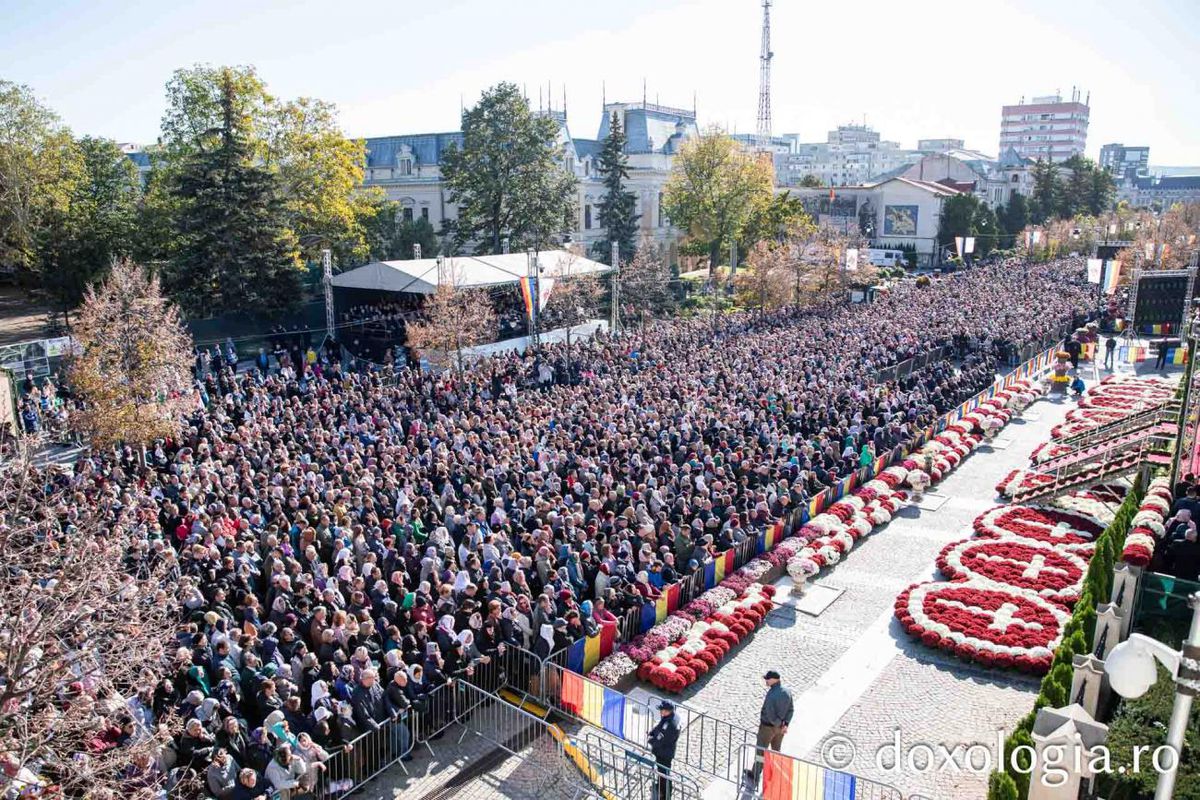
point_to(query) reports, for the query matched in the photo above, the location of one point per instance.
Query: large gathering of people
(348, 540)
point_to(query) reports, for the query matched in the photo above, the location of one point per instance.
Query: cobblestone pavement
(853, 671)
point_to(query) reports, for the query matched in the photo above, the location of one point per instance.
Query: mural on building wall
(900, 220)
(821, 206)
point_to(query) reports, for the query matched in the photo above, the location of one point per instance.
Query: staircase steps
(1164, 430)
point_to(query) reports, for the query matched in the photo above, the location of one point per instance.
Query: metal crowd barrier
(364, 758)
(706, 744)
(540, 745)
(771, 774)
(632, 774)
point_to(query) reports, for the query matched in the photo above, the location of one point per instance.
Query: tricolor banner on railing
(787, 778)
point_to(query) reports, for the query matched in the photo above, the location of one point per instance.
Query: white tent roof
(421, 275)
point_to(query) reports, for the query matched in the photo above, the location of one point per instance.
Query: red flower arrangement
(993, 625)
(1040, 567)
(1062, 528)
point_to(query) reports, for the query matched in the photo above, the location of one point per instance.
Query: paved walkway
(856, 675)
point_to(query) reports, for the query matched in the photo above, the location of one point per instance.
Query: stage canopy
(469, 272)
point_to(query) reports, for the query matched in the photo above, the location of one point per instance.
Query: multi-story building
(407, 168)
(1160, 192)
(1126, 164)
(939, 145)
(1046, 128)
(851, 155)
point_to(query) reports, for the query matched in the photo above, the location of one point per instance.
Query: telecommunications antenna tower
(764, 78)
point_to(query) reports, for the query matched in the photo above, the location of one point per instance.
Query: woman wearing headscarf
(544, 646)
(445, 635)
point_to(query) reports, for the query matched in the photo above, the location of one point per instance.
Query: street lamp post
(1131, 672)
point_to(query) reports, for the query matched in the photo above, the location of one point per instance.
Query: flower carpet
(694, 640)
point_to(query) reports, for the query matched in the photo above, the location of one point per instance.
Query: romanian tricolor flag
(786, 778)
(529, 291)
(1132, 354)
(1177, 355)
(1112, 275)
(1157, 330)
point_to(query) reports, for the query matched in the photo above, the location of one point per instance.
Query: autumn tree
(40, 166)
(86, 621)
(131, 368)
(455, 318)
(766, 283)
(508, 177)
(575, 297)
(715, 188)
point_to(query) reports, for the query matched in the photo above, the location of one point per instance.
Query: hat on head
(666, 705)
(771, 674)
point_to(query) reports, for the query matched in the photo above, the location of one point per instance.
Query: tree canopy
(617, 211)
(508, 177)
(715, 189)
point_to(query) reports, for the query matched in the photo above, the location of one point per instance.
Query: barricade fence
(779, 777)
(706, 744)
(629, 773)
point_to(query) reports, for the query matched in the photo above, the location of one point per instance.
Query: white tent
(421, 275)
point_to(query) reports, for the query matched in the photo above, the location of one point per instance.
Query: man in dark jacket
(662, 739)
(369, 702)
(399, 705)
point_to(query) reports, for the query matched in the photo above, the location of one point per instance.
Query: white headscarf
(461, 580)
(446, 623)
(320, 690)
(547, 633)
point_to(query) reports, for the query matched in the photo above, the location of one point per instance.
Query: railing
(1116, 439)
(771, 774)
(540, 745)
(629, 773)
(364, 758)
(705, 745)
(1160, 412)
(1115, 458)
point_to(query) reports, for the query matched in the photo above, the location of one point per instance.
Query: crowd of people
(348, 541)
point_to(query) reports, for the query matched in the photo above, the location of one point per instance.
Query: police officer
(662, 740)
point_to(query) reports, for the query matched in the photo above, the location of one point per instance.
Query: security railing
(771, 774)
(541, 745)
(706, 744)
(1166, 411)
(630, 773)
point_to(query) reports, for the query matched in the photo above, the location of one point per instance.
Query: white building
(851, 155)
(891, 213)
(406, 168)
(1046, 128)
(1126, 164)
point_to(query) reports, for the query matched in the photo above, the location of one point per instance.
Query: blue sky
(929, 68)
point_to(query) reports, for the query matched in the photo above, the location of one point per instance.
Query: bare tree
(575, 296)
(646, 282)
(132, 360)
(456, 318)
(87, 613)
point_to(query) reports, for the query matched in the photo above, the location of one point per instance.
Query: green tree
(203, 99)
(617, 214)
(1045, 201)
(958, 218)
(811, 181)
(40, 167)
(156, 235)
(773, 221)
(235, 248)
(80, 242)
(715, 189)
(1014, 217)
(320, 171)
(508, 177)
(1102, 193)
(985, 227)
(1075, 192)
